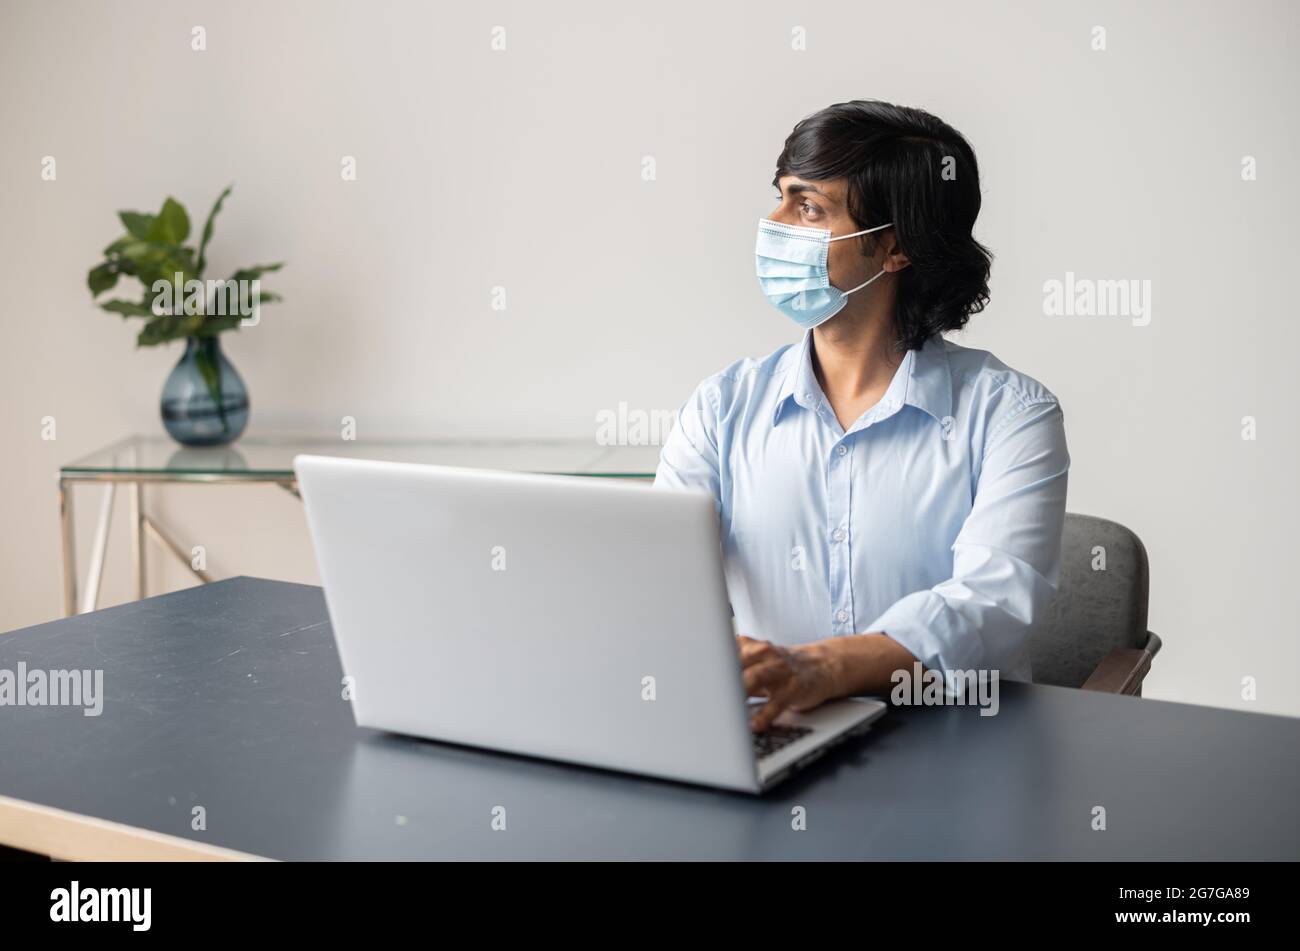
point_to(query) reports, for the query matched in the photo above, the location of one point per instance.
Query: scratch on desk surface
(305, 627)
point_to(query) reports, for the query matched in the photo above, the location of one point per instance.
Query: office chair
(1094, 634)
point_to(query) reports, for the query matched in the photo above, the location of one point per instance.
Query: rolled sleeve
(1006, 558)
(689, 458)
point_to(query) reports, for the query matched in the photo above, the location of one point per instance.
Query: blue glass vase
(204, 401)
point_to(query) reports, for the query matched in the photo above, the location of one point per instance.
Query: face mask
(791, 264)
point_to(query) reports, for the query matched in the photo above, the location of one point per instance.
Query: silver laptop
(577, 619)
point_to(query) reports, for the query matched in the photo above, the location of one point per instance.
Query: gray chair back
(1095, 610)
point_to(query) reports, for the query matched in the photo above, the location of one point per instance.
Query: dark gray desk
(228, 697)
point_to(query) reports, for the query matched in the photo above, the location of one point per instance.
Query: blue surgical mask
(791, 264)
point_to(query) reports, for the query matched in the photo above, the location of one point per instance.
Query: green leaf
(117, 246)
(169, 299)
(142, 253)
(126, 308)
(151, 262)
(218, 323)
(101, 278)
(160, 330)
(179, 260)
(131, 248)
(137, 224)
(256, 271)
(172, 224)
(207, 231)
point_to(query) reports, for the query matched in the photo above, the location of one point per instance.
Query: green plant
(153, 251)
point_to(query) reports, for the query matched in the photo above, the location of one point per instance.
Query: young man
(885, 496)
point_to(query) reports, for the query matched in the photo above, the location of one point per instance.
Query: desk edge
(70, 836)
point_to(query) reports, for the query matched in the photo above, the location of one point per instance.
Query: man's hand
(807, 675)
(794, 678)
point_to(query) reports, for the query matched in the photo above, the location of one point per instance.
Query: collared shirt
(935, 518)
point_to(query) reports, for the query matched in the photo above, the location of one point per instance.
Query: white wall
(522, 168)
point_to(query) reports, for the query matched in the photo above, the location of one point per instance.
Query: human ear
(894, 259)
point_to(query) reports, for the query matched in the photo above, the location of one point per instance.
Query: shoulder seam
(756, 367)
(1026, 404)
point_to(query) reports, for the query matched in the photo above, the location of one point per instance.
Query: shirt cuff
(923, 623)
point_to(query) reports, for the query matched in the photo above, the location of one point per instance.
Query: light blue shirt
(935, 519)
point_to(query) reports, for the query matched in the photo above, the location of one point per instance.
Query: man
(885, 496)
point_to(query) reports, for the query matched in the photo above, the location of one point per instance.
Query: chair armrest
(1122, 670)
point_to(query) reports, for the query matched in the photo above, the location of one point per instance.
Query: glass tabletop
(271, 457)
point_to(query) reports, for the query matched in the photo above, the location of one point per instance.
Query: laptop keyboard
(776, 737)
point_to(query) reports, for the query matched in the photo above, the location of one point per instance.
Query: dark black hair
(893, 159)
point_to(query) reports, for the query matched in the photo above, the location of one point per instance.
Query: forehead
(829, 188)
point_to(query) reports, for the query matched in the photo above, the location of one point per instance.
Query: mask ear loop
(854, 235)
(867, 231)
(864, 283)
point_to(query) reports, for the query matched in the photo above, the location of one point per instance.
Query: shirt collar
(799, 383)
(922, 380)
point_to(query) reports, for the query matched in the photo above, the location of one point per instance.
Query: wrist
(862, 663)
(832, 657)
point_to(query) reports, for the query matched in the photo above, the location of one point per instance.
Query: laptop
(576, 619)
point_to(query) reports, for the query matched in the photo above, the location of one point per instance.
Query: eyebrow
(799, 188)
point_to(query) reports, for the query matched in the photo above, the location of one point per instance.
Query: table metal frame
(144, 527)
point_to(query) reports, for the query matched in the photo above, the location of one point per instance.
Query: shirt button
(838, 535)
(841, 615)
(841, 450)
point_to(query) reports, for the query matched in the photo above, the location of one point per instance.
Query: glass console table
(141, 460)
